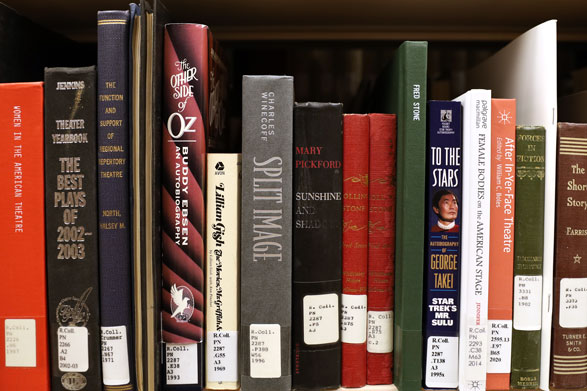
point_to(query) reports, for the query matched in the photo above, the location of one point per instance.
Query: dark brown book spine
(317, 250)
(569, 342)
(72, 229)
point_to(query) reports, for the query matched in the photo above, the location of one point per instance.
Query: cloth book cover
(24, 354)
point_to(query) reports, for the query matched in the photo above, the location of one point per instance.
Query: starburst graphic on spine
(504, 117)
(475, 385)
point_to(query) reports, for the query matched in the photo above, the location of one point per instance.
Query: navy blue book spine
(441, 342)
(113, 201)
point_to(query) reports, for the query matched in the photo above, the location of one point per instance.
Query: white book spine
(222, 271)
(473, 347)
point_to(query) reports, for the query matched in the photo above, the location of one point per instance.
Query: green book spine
(528, 250)
(405, 83)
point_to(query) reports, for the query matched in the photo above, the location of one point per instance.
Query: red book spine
(23, 313)
(382, 158)
(355, 252)
(501, 267)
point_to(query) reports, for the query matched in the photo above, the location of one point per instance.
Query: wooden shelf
(261, 20)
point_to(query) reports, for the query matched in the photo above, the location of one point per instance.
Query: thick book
(114, 201)
(355, 241)
(526, 70)
(71, 224)
(222, 270)
(443, 255)
(473, 350)
(501, 242)
(266, 233)
(381, 257)
(24, 358)
(402, 91)
(183, 185)
(317, 249)
(568, 368)
(528, 257)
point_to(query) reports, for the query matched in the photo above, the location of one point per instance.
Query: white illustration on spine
(181, 306)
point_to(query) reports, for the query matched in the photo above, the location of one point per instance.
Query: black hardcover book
(317, 245)
(113, 201)
(72, 229)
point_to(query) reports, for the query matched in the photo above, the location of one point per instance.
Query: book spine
(410, 93)
(72, 228)
(569, 343)
(114, 201)
(355, 217)
(24, 361)
(183, 183)
(223, 254)
(501, 242)
(317, 250)
(528, 255)
(266, 223)
(475, 239)
(443, 261)
(381, 239)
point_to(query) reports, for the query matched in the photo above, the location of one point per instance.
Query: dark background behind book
(332, 63)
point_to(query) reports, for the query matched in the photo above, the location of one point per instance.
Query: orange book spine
(501, 267)
(23, 309)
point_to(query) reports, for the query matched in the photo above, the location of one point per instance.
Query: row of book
(137, 200)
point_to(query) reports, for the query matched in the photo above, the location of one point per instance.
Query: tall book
(185, 91)
(355, 240)
(528, 256)
(402, 91)
(145, 62)
(114, 202)
(222, 270)
(317, 250)
(526, 70)
(475, 239)
(380, 279)
(266, 233)
(24, 358)
(71, 225)
(501, 242)
(568, 368)
(443, 260)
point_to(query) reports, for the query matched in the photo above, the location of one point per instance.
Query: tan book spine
(222, 271)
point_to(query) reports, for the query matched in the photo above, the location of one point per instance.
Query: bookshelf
(338, 41)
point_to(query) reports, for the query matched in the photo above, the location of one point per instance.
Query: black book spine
(113, 201)
(317, 245)
(72, 229)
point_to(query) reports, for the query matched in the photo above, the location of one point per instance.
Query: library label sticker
(354, 318)
(20, 336)
(442, 362)
(181, 363)
(500, 346)
(321, 319)
(222, 352)
(573, 303)
(73, 349)
(380, 328)
(528, 303)
(115, 369)
(265, 350)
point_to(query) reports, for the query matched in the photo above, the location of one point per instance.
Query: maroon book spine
(382, 158)
(185, 108)
(355, 219)
(569, 341)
